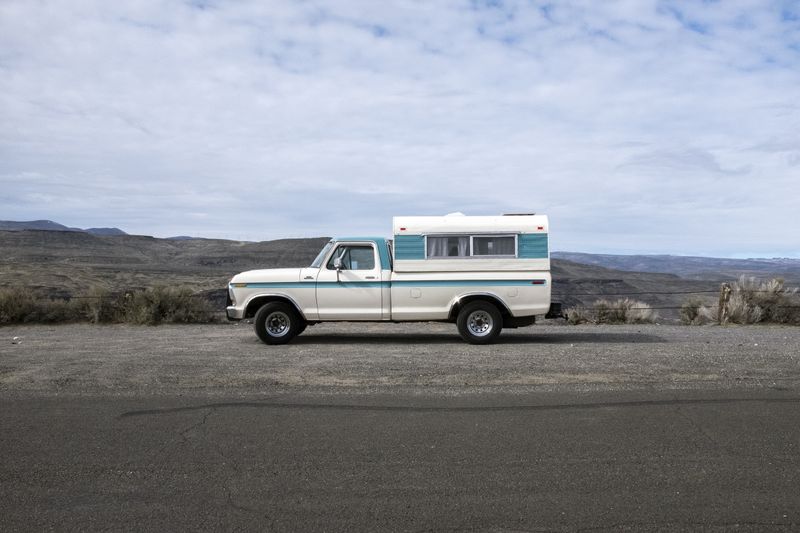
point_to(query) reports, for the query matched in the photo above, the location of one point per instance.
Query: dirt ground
(367, 358)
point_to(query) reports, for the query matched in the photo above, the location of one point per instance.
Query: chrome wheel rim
(277, 324)
(480, 323)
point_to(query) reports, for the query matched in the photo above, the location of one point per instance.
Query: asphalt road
(201, 428)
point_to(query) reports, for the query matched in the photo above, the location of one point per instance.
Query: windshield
(322, 253)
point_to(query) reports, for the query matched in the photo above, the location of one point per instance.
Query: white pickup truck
(483, 273)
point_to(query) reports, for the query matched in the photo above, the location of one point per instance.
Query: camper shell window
(448, 246)
(495, 245)
(464, 246)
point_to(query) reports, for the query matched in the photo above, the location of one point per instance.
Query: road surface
(382, 428)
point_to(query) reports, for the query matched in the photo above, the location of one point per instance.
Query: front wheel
(277, 323)
(479, 323)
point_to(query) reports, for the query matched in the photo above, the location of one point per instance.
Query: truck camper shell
(458, 243)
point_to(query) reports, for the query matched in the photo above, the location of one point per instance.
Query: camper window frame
(472, 246)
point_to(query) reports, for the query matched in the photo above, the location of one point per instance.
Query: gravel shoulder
(357, 358)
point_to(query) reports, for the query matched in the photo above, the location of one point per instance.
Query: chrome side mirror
(337, 263)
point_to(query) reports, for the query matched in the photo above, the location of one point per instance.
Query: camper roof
(404, 225)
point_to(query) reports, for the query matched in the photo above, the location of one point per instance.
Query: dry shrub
(161, 304)
(101, 306)
(607, 312)
(621, 311)
(753, 301)
(740, 311)
(624, 311)
(641, 313)
(54, 311)
(20, 305)
(705, 315)
(16, 305)
(578, 315)
(696, 313)
(690, 311)
(141, 306)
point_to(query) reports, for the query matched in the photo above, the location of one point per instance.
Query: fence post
(722, 306)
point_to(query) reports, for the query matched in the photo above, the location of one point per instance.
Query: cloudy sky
(638, 126)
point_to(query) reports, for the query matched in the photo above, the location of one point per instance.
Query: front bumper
(233, 313)
(230, 310)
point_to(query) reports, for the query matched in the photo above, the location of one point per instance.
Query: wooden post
(722, 306)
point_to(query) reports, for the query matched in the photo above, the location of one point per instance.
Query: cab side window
(354, 258)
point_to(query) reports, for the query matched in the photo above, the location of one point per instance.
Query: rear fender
(463, 299)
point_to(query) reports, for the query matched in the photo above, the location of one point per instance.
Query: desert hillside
(699, 268)
(69, 263)
(64, 263)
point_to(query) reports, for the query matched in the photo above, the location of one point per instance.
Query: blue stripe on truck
(468, 283)
(403, 283)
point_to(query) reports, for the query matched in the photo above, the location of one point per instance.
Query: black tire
(277, 323)
(479, 322)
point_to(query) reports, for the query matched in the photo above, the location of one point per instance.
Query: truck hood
(268, 275)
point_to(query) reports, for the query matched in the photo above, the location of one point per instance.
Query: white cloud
(638, 126)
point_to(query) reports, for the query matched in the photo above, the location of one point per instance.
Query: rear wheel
(277, 323)
(479, 322)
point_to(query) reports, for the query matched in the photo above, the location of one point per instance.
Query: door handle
(309, 277)
(369, 277)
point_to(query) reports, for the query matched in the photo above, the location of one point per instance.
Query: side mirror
(337, 263)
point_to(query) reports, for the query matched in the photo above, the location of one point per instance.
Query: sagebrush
(164, 304)
(690, 311)
(753, 301)
(154, 305)
(621, 311)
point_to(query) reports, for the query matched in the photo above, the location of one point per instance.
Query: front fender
(255, 301)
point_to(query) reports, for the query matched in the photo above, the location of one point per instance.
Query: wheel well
(479, 297)
(255, 304)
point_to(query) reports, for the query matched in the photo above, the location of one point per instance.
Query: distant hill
(105, 231)
(49, 225)
(688, 267)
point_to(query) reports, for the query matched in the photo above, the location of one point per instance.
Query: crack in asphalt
(701, 431)
(469, 409)
(185, 439)
(183, 433)
(228, 489)
(225, 461)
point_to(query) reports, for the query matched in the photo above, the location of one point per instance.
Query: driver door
(352, 292)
